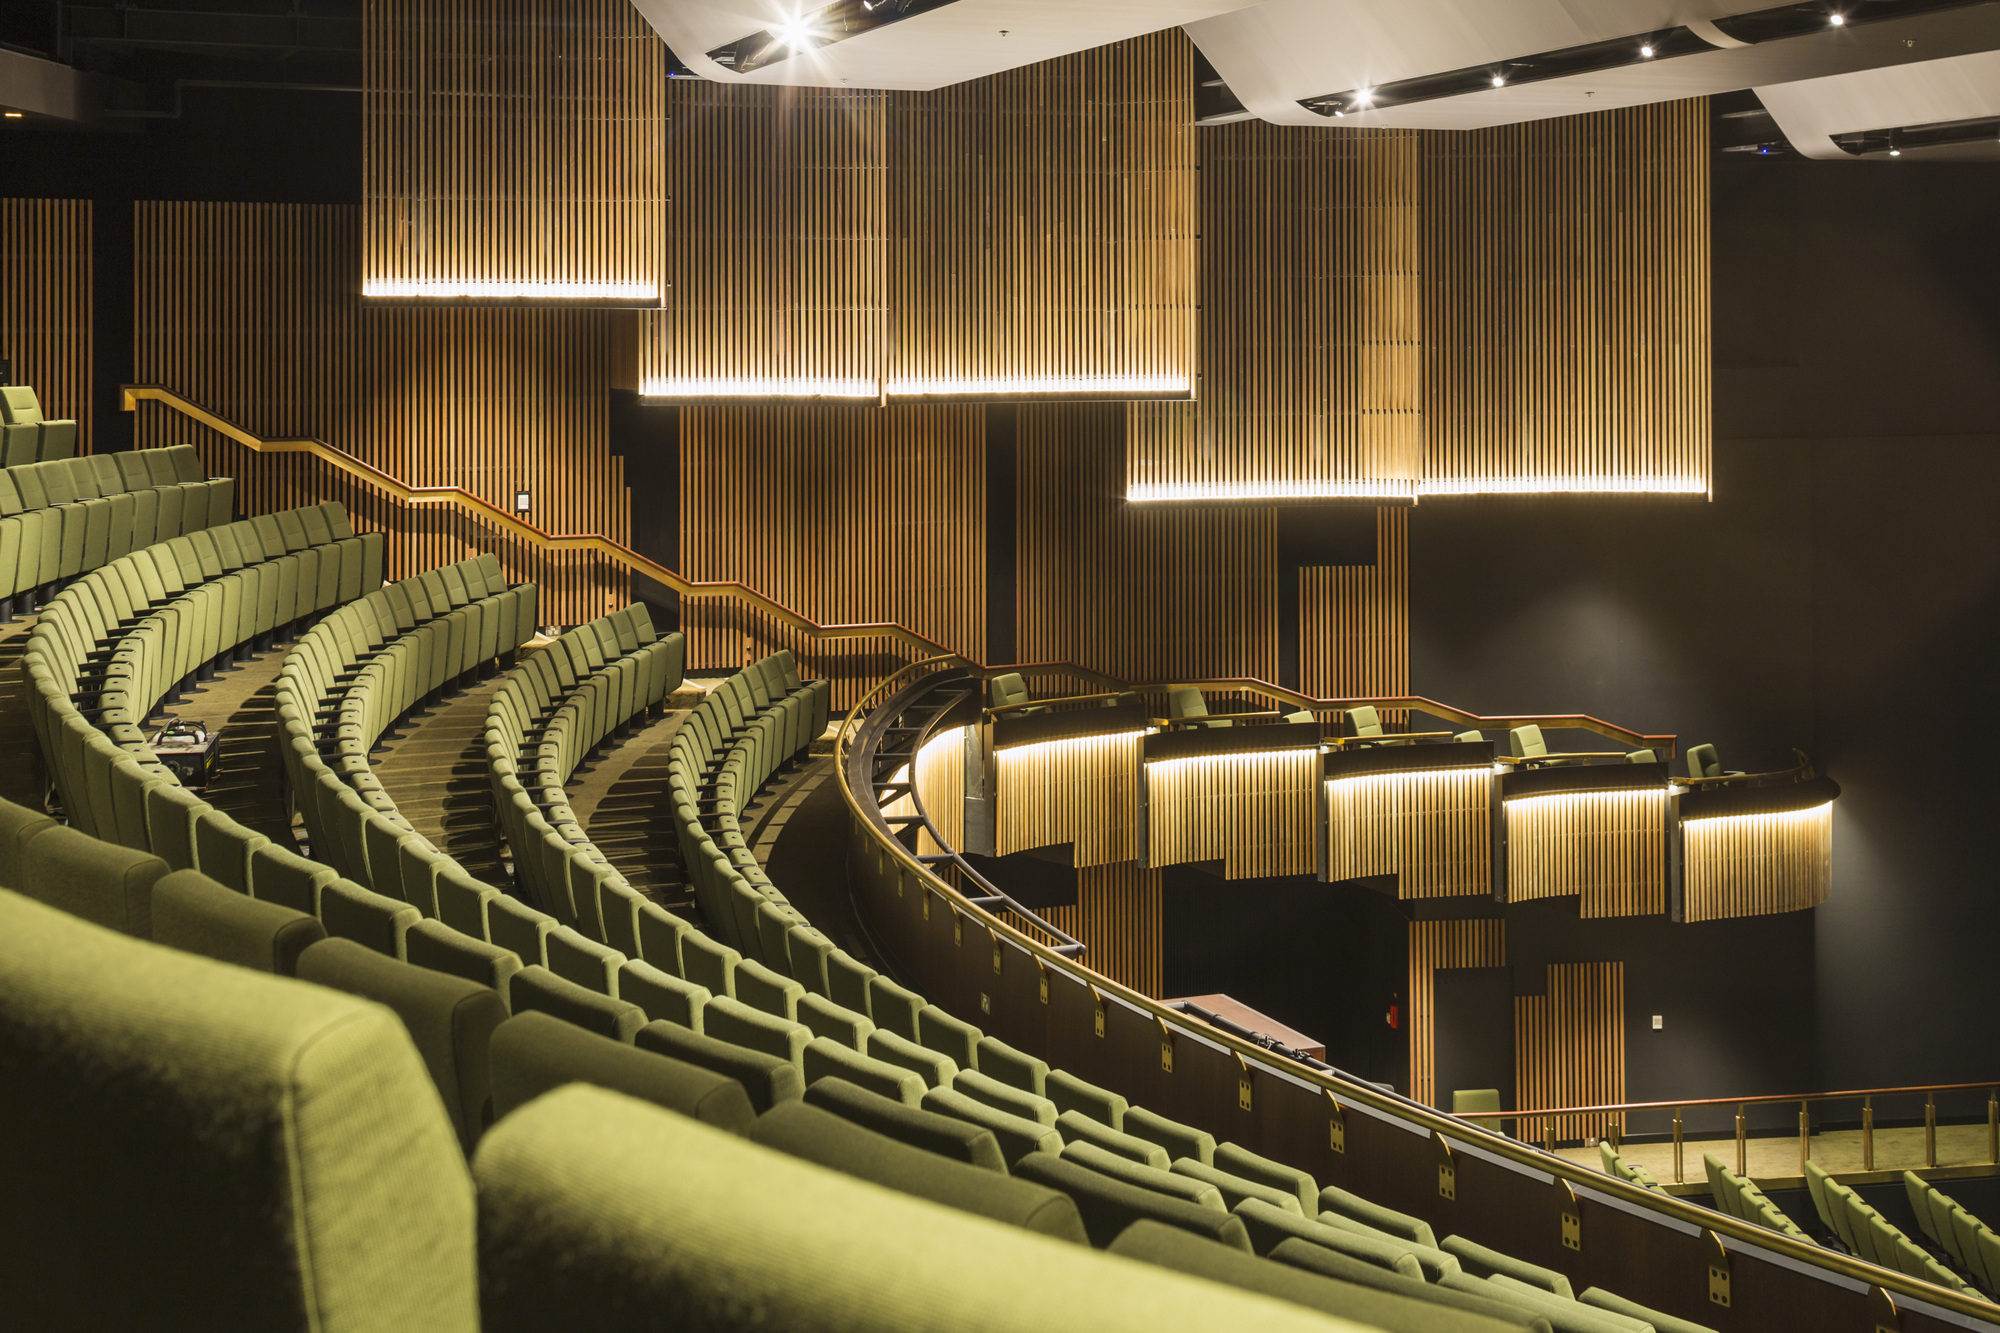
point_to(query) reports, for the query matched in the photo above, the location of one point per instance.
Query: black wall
(1839, 594)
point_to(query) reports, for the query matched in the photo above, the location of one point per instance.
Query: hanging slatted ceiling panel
(1608, 847)
(1140, 594)
(1354, 621)
(846, 514)
(46, 304)
(1117, 918)
(1569, 1050)
(1749, 865)
(1477, 942)
(1430, 828)
(773, 244)
(1042, 228)
(249, 310)
(1083, 791)
(1310, 323)
(1255, 813)
(513, 150)
(1566, 304)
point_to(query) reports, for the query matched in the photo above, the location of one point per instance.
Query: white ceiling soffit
(931, 50)
(1283, 50)
(1936, 92)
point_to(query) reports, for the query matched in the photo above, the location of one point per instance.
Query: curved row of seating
(27, 436)
(1629, 1172)
(547, 715)
(358, 671)
(1741, 1198)
(1972, 1245)
(1863, 1230)
(63, 518)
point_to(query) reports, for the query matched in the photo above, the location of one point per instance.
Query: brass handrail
(1440, 1122)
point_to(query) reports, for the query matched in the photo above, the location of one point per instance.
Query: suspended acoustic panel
(1255, 813)
(849, 515)
(1031, 234)
(1081, 790)
(514, 151)
(1569, 1050)
(1479, 942)
(1310, 323)
(1354, 620)
(250, 310)
(46, 303)
(1140, 593)
(1753, 864)
(1566, 304)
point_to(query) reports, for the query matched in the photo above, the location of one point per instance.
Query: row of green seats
(1871, 1237)
(61, 519)
(117, 642)
(1972, 1245)
(26, 436)
(1741, 1198)
(1629, 1172)
(548, 714)
(352, 676)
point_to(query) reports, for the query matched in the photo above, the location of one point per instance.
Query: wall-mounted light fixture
(523, 501)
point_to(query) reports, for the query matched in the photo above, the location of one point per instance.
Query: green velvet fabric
(829, 1059)
(1662, 1323)
(1179, 1140)
(1235, 1189)
(534, 1053)
(600, 1213)
(1332, 1199)
(1071, 1093)
(1271, 1226)
(1145, 1177)
(1074, 1125)
(1242, 1162)
(1302, 1253)
(435, 945)
(835, 1142)
(540, 990)
(1017, 1137)
(192, 912)
(98, 881)
(1479, 1261)
(913, 1125)
(1109, 1205)
(769, 1080)
(1004, 1097)
(187, 1144)
(1564, 1315)
(936, 1070)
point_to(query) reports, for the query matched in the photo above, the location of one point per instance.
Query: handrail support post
(1742, 1141)
(1930, 1129)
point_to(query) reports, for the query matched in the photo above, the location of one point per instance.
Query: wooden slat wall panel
(250, 310)
(46, 303)
(1431, 829)
(1083, 790)
(516, 145)
(1566, 304)
(1143, 594)
(1354, 621)
(1569, 1050)
(1042, 227)
(846, 514)
(1117, 918)
(1256, 813)
(1749, 865)
(1310, 325)
(1608, 847)
(774, 245)
(1479, 942)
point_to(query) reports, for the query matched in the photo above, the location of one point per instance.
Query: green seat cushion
(540, 990)
(1333, 1199)
(768, 1079)
(1003, 1097)
(833, 1141)
(1017, 1137)
(1233, 1188)
(192, 912)
(937, 1071)
(1479, 1261)
(1662, 1323)
(1302, 1253)
(941, 1134)
(534, 1053)
(1271, 1226)
(732, 1020)
(1238, 1161)
(1183, 1252)
(1109, 1205)
(1145, 1177)
(1435, 1263)
(1179, 1140)
(1074, 1126)
(1070, 1093)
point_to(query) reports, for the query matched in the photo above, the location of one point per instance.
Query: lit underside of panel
(1081, 790)
(1597, 485)
(1367, 490)
(1359, 490)
(1608, 847)
(1751, 865)
(633, 292)
(759, 388)
(1253, 812)
(1108, 386)
(1431, 828)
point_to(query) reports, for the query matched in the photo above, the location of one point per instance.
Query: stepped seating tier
(27, 436)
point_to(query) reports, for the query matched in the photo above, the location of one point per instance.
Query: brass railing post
(1867, 1133)
(1930, 1129)
(1805, 1136)
(1678, 1177)
(1993, 1125)
(1742, 1142)
(1548, 1133)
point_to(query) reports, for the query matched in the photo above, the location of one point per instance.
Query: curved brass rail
(1344, 1090)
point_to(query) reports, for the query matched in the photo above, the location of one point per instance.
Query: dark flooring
(801, 837)
(619, 795)
(249, 780)
(433, 765)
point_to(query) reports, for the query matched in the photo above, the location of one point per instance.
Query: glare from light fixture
(1837, 20)
(1364, 96)
(1499, 81)
(1895, 152)
(13, 115)
(796, 33)
(1646, 52)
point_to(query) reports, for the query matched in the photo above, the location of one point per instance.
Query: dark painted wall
(1840, 594)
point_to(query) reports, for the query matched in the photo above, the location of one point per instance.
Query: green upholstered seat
(661, 995)
(1176, 1249)
(1271, 1225)
(279, 875)
(1179, 1140)
(513, 924)
(195, 1145)
(451, 1021)
(534, 1053)
(807, 951)
(18, 826)
(1464, 1100)
(1702, 761)
(1003, 1097)
(919, 1128)
(707, 963)
(1240, 1161)
(822, 1058)
(1234, 1188)
(97, 881)
(1017, 1137)
(1071, 1093)
(764, 988)
(192, 912)
(1301, 1253)
(575, 957)
(1074, 1125)
(894, 1008)
(1188, 702)
(1662, 1323)
(1145, 1177)
(847, 981)
(935, 1069)
(940, 1032)
(1009, 691)
(1564, 1315)
(731, 1020)
(1109, 1205)
(999, 1060)
(1480, 1261)
(535, 988)
(1333, 1199)
(835, 1022)
(835, 1142)
(602, 1213)
(366, 917)
(768, 1079)
(433, 944)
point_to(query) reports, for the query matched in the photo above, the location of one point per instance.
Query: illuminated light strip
(1082, 790)
(1036, 748)
(1606, 846)
(1428, 827)
(759, 389)
(1567, 486)
(514, 291)
(1361, 490)
(1142, 494)
(1112, 384)
(1757, 864)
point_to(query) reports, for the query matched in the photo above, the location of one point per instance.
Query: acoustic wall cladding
(513, 149)
(1354, 620)
(1569, 1050)
(1478, 942)
(251, 310)
(45, 303)
(1116, 916)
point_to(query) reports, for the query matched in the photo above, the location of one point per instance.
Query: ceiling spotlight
(797, 34)
(1646, 52)
(1499, 81)
(1837, 20)
(1364, 96)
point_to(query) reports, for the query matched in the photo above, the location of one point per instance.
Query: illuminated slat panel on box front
(46, 304)
(1607, 846)
(1432, 829)
(1081, 789)
(1749, 865)
(513, 152)
(1255, 813)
